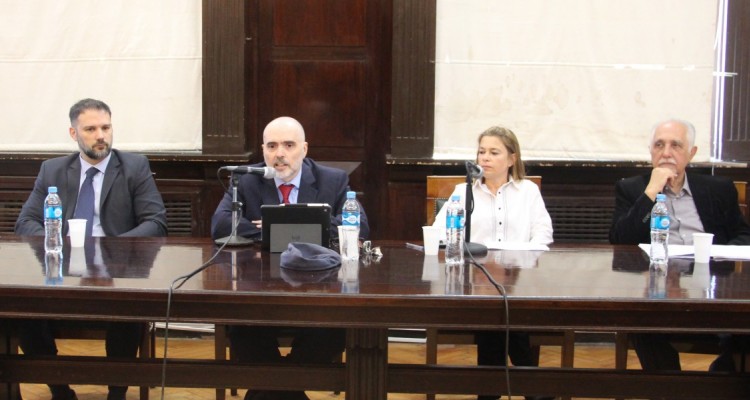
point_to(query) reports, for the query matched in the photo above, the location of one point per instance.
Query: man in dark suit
(127, 203)
(697, 203)
(285, 150)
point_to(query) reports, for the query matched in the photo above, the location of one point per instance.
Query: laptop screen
(285, 223)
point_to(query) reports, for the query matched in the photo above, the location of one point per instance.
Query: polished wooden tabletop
(566, 271)
(589, 279)
(570, 287)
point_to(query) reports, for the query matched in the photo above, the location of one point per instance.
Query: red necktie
(285, 190)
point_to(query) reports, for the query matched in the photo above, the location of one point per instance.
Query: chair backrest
(741, 197)
(440, 187)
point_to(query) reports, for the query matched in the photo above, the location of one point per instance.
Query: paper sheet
(718, 251)
(518, 246)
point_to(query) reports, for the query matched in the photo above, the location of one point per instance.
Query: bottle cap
(350, 194)
(455, 197)
(661, 197)
(52, 189)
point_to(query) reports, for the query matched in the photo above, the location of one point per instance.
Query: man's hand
(258, 223)
(660, 177)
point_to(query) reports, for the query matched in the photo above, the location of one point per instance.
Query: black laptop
(285, 223)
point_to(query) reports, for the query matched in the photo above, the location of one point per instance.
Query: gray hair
(689, 128)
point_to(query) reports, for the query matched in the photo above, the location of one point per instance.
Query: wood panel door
(326, 63)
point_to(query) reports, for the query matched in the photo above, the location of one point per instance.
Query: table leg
(366, 364)
(8, 345)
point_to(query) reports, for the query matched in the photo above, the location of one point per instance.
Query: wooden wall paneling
(406, 199)
(413, 102)
(320, 61)
(319, 23)
(378, 123)
(327, 97)
(224, 71)
(182, 199)
(736, 123)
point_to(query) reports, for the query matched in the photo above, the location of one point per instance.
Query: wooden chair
(741, 187)
(686, 343)
(439, 188)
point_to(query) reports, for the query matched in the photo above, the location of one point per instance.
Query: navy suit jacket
(130, 203)
(318, 184)
(715, 199)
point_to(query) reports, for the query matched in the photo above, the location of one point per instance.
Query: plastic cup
(431, 239)
(348, 243)
(77, 232)
(702, 246)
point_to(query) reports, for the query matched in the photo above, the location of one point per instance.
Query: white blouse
(515, 213)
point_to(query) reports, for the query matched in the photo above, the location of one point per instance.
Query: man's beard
(93, 154)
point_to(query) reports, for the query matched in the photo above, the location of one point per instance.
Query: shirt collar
(685, 191)
(479, 184)
(295, 181)
(101, 166)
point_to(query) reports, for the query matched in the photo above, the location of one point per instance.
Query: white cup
(431, 239)
(431, 269)
(77, 232)
(348, 243)
(702, 246)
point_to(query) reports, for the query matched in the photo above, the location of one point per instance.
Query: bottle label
(454, 222)
(53, 212)
(350, 218)
(660, 222)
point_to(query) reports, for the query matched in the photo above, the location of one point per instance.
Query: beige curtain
(142, 57)
(575, 79)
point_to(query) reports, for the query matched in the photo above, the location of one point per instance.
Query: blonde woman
(507, 207)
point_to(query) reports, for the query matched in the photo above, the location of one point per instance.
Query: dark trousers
(656, 353)
(491, 351)
(37, 338)
(260, 344)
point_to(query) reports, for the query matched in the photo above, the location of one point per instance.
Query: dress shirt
(684, 219)
(96, 229)
(515, 213)
(294, 194)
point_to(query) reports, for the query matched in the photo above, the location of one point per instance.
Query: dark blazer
(131, 205)
(715, 199)
(318, 184)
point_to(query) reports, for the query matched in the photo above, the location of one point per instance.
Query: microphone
(266, 172)
(474, 169)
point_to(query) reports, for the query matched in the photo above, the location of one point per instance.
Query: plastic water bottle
(53, 221)
(349, 239)
(659, 231)
(53, 268)
(454, 231)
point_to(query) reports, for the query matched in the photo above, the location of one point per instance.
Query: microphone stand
(233, 239)
(475, 249)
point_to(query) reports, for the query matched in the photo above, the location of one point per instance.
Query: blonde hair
(509, 140)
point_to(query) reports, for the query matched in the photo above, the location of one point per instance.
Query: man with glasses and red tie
(297, 180)
(116, 193)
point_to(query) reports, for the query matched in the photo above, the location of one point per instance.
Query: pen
(414, 247)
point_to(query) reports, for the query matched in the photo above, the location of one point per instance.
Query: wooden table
(581, 287)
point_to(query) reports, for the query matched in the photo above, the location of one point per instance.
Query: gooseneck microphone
(266, 172)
